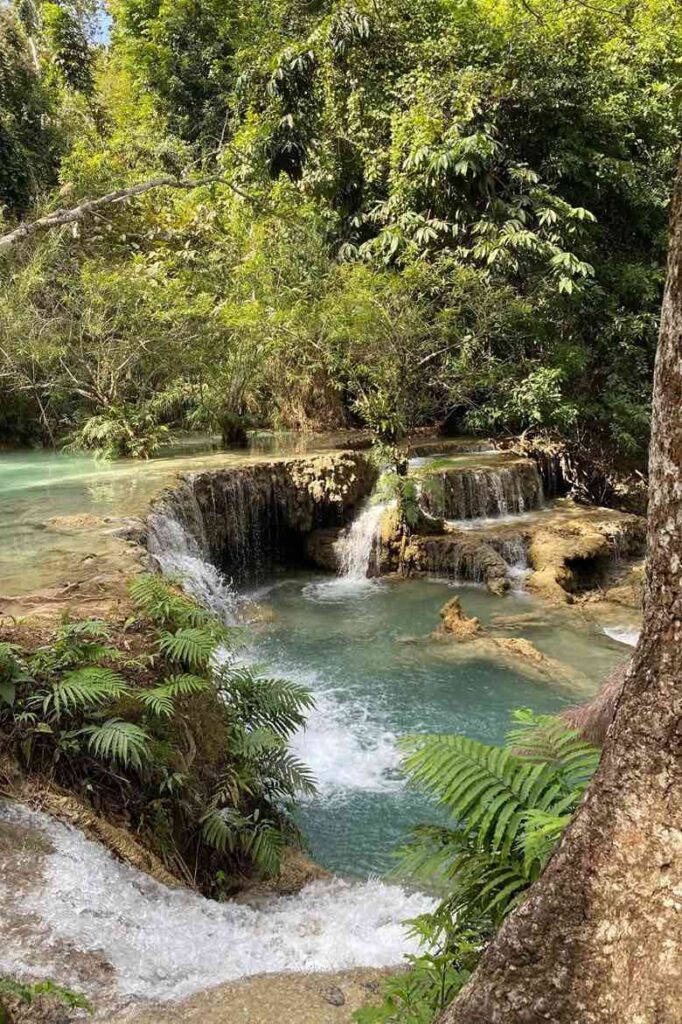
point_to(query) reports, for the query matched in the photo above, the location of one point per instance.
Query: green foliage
(455, 212)
(31, 993)
(13, 671)
(508, 808)
(80, 690)
(432, 979)
(121, 742)
(161, 699)
(192, 646)
(119, 434)
(190, 744)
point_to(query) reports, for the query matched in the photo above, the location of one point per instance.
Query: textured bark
(599, 939)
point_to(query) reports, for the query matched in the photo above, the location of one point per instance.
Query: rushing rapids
(60, 892)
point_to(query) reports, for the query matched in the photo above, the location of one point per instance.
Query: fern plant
(76, 643)
(189, 744)
(508, 807)
(122, 743)
(79, 691)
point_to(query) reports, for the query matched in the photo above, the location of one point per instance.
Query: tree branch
(58, 218)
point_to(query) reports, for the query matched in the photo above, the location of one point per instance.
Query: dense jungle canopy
(409, 211)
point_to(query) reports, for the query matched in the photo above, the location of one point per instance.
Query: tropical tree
(598, 939)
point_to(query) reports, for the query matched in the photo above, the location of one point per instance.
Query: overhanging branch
(58, 218)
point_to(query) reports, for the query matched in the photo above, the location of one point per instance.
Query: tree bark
(599, 939)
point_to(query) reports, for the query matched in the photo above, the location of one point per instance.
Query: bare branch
(58, 218)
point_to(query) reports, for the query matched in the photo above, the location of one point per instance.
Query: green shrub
(193, 745)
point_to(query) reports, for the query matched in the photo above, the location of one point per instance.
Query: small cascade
(178, 554)
(358, 546)
(623, 635)
(515, 553)
(94, 923)
(471, 494)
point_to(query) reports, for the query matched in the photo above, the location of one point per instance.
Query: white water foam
(168, 943)
(356, 548)
(347, 749)
(177, 554)
(623, 634)
(482, 522)
(343, 742)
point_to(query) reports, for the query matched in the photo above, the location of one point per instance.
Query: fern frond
(487, 787)
(81, 690)
(222, 828)
(541, 834)
(161, 603)
(279, 705)
(122, 742)
(160, 700)
(191, 646)
(226, 829)
(549, 739)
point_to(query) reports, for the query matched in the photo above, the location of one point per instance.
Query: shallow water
(361, 647)
(39, 486)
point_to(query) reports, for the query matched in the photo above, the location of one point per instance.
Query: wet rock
(333, 995)
(455, 624)
(257, 611)
(320, 548)
(457, 556)
(44, 1009)
(487, 490)
(570, 558)
(247, 519)
(69, 524)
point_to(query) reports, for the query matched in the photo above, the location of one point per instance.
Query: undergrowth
(27, 994)
(159, 726)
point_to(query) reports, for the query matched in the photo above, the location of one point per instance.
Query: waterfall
(486, 492)
(514, 552)
(358, 546)
(178, 554)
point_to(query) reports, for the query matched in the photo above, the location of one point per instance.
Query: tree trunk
(599, 939)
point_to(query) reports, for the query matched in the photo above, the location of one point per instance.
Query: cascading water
(515, 553)
(623, 635)
(358, 546)
(167, 943)
(476, 494)
(178, 554)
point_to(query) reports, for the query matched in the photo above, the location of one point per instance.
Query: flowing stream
(362, 646)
